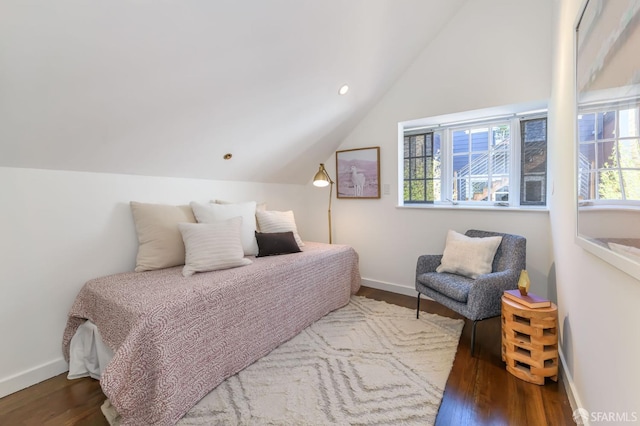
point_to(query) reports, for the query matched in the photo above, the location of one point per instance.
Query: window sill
(608, 207)
(527, 209)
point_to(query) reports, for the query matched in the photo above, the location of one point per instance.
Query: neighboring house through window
(486, 161)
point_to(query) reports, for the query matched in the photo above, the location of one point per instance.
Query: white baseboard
(569, 386)
(23, 380)
(393, 288)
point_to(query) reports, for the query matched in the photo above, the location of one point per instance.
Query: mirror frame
(624, 263)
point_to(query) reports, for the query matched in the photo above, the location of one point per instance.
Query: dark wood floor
(479, 390)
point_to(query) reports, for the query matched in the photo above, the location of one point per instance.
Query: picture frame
(358, 173)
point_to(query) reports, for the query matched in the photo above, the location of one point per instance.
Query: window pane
(407, 142)
(586, 127)
(480, 140)
(500, 188)
(535, 130)
(417, 168)
(587, 156)
(629, 153)
(460, 165)
(500, 159)
(609, 185)
(428, 151)
(534, 189)
(460, 190)
(606, 156)
(631, 180)
(417, 142)
(480, 190)
(534, 157)
(436, 145)
(586, 185)
(407, 169)
(460, 141)
(418, 147)
(606, 125)
(501, 134)
(436, 190)
(480, 165)
(629, 123)
(429, 168)
(417, 190)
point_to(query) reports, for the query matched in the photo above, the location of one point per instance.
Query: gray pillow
(275, 243)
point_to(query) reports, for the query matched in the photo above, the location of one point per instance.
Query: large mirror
(608, 131)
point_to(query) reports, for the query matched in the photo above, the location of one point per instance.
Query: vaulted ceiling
(167, 88)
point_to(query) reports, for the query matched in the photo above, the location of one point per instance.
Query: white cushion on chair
(468, 256)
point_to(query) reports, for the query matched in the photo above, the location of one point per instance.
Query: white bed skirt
(88, 355)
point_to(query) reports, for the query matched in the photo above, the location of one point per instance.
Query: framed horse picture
(358, 173)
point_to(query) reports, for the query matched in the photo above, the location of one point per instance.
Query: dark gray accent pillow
(274, 243)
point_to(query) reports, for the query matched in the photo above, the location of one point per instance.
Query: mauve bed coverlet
(175, 338)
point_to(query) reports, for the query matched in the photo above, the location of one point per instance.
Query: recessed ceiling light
(344, 89)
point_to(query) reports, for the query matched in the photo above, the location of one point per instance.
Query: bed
(175, 338)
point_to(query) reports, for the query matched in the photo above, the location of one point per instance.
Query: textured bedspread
(176, 338)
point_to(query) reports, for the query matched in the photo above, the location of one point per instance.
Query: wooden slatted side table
(530, 341)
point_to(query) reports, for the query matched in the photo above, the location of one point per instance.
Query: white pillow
(275, 221)
(211, 212)
(159, 241)
(468, 256)
(259, 206)
(212, 246)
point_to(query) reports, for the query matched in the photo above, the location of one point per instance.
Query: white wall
(59, 229)
(493, 53)
(597, 304)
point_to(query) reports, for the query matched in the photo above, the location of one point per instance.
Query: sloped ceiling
(166, 88)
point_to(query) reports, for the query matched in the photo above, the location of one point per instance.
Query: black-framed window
(421, 168)
(533, 164)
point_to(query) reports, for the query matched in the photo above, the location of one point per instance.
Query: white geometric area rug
(369, 362)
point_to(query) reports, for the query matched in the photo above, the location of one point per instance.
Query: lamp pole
(322, 179)
(330, 197)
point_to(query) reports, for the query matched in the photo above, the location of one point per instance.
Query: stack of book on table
(530, 300)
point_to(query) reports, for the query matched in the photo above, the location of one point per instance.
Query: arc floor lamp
(322, 179)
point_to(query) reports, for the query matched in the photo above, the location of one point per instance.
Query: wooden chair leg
(418, 308)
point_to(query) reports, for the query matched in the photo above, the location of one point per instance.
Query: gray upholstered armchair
(475, 299)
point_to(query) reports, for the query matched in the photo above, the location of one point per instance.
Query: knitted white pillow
(212, 246)
(468, 256)
(275, 221)
(211, 212)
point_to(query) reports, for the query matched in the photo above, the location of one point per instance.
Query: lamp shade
(321, 178)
